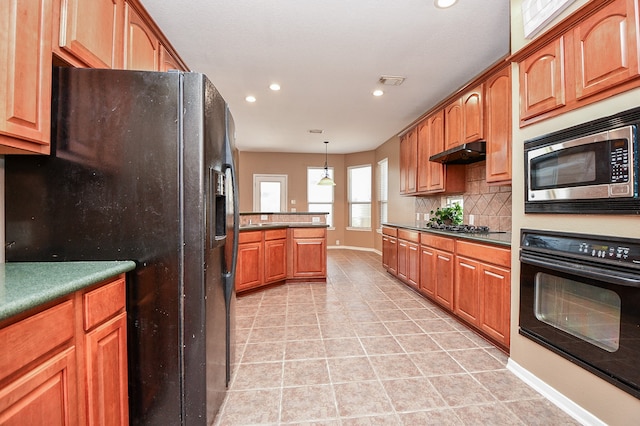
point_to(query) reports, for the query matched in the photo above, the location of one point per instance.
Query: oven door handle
(600, 273)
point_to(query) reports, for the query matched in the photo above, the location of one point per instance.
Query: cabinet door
(423, 156)
(404, 162)
(428, 271)
(605, 48)
(250, 266)
(403, 253)
(309, 258)
(141, 44)
(45, 395)
(91, 31)
(413, 264)
(408, 162)
(444, 278)
(25, 91)
(466, 297)
(495, 302)
(542, 87)
(275, 260)
(106, 364)
(168, 61)
(436, 145)
(453, 124)
(391, 261)
(498, 119)
(472, 112)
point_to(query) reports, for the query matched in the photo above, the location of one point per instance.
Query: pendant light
(326, 180)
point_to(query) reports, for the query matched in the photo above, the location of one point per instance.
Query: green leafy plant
(449, 215)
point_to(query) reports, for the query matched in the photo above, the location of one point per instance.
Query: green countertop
(25, 285)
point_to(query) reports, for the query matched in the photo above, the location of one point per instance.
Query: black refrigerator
(142, 168)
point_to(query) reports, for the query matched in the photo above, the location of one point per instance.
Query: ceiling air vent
(389, 80)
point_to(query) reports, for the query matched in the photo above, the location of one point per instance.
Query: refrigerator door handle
(230, 272)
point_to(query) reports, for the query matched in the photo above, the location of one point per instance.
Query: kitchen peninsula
(279, 247)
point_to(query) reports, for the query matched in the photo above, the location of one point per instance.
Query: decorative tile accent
(490, 205)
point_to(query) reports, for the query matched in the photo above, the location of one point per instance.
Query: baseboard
(354, 248)
(555, 397)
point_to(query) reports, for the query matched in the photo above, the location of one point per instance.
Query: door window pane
(270, 196)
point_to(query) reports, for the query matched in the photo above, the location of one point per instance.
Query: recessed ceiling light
(250, 99)
(274, 86)
(443, 4)
(378, 92)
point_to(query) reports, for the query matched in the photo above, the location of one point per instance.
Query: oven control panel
(595, 247)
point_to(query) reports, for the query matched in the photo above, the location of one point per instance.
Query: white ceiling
(328, 56)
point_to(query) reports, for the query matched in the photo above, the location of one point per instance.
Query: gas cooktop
(463, 228)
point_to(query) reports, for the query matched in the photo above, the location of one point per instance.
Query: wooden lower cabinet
(66, 364)
(483, 288)
(437, 268)
(390, 249)
(250, 264)
(107, 373)
(44, 395)
(309, 253)
(472, 280)
(274, 255)
(409, 257)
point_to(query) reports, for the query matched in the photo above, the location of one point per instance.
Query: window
(360, 197)
(319, 197)
(383, 191)
(270, 193)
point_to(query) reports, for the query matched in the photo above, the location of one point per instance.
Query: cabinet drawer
(102, 303)
(34, 336)
(309, 232)
(486, 253)
(250, 237)
(275, 234)
(442, 243)
(409, 235)
(393, 232)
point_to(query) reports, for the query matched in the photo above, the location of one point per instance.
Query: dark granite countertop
(260, 226)
(496, 238)
(26, 285)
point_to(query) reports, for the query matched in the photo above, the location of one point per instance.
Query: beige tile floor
(363, 349)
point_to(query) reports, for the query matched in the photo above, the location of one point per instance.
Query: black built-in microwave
(589, 168)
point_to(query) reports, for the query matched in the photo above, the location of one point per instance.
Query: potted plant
(449, 215)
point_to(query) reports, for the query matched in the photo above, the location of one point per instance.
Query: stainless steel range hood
(462, 154)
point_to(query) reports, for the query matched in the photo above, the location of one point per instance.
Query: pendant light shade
(326, 180)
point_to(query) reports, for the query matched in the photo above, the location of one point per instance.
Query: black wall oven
(588, 168)
(580, 297)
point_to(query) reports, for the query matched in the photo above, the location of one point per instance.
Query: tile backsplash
(488, 205)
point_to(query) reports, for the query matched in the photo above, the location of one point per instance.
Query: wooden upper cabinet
(91, 32)
(472, 114)
(168, 61)
(498, 126)
(542, 86)
(423, 156)
(436, 145)
(408, 162)
(606, 48)
(25, 88)
(453, 122)
(590, 56)
(141, 44)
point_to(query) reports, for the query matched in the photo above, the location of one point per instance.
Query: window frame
(331, 203)
(351, 203)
